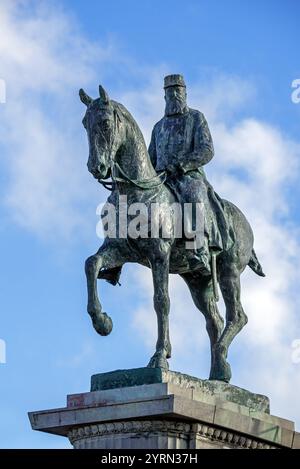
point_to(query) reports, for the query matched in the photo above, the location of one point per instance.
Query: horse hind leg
(236, 319)
(202, 292)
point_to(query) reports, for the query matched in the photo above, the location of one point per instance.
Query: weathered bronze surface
(172, 171)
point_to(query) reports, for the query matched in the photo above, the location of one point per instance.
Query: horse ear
(103, 95)
(85, 98)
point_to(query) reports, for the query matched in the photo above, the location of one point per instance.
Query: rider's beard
(175, 106)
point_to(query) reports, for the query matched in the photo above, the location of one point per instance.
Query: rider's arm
(203, 150)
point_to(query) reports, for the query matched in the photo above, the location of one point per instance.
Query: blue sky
(239, 60)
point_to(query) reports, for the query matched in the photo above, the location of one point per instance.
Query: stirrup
(198, 263)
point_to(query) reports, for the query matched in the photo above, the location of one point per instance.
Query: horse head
(101, 122)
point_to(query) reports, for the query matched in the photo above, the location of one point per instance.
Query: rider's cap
(174, 80)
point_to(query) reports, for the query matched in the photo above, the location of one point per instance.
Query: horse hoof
(221, 373)
(102, 324)
(157, 361)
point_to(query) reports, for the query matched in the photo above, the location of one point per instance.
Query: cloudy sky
(239, 60)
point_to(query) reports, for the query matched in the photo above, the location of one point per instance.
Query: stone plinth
(170, 411)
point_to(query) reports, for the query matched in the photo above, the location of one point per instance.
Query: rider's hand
(171, 169)
(180, 168)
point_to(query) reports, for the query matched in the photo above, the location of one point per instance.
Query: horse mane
(122, 112)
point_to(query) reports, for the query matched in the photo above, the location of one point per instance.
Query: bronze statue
(181, 145)
(172, 173)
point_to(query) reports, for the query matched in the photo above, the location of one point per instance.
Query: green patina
(217, 390)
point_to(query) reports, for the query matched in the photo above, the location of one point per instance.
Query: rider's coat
(184, 141)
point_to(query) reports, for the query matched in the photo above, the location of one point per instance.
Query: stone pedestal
(153, 409)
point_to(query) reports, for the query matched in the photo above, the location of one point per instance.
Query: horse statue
(117, 150)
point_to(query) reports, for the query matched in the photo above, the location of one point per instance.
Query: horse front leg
(161, 300)
(107, 257)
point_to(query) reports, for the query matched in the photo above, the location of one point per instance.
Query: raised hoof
(158, 361)
(102, 323)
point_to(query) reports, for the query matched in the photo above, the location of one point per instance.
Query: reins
(145, 184)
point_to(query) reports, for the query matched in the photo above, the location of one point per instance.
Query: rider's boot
(200, 260)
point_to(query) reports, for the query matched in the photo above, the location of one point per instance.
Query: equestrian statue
(169, 174)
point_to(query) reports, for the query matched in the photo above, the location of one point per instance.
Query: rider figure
(181, 145)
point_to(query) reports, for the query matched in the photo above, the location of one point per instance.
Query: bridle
(145, 184)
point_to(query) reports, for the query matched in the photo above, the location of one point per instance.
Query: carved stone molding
(235, 440)
(189, 431)
(134, 426)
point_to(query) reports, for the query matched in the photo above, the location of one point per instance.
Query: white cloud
(44, 50)
(45, 59)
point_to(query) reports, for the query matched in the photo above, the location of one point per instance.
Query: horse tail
(255, 265)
